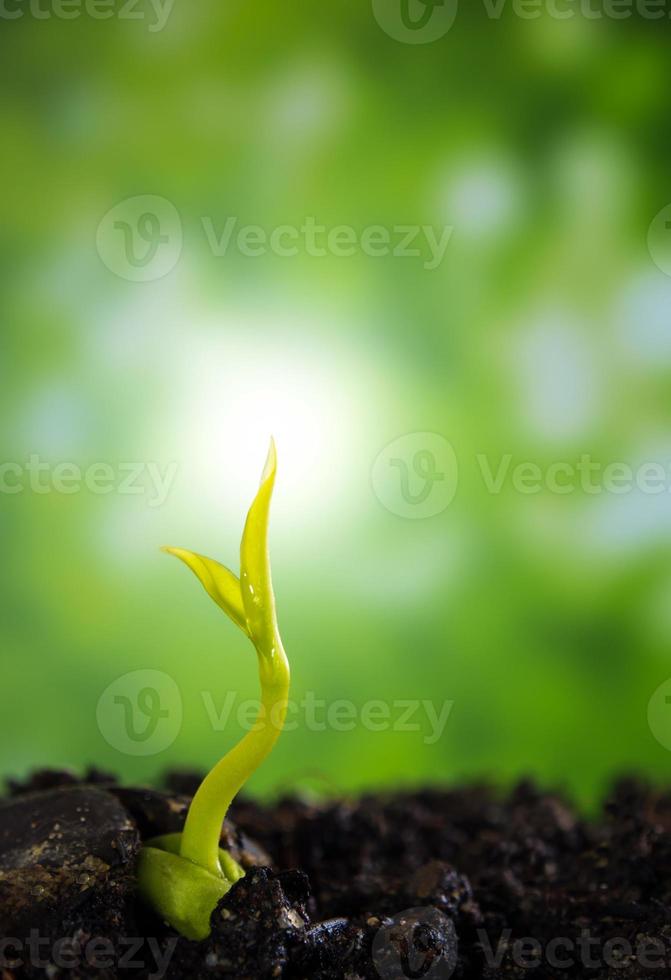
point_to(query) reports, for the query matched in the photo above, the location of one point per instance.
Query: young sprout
(183, 876)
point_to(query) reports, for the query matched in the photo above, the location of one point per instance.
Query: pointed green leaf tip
(184, 878)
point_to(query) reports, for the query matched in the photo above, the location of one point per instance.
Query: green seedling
(183, 876)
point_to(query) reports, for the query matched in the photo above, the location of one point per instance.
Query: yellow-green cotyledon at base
(184, 876)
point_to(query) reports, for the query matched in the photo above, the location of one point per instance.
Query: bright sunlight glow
(232, 402)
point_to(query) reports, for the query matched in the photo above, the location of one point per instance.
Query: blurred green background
(544, 334)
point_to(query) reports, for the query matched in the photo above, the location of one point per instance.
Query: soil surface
(459, 883)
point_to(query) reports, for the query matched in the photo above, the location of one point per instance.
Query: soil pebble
(67, 858)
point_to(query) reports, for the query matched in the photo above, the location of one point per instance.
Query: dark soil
(435, 884)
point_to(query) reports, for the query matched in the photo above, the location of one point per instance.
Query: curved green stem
(202, 830)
